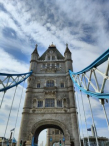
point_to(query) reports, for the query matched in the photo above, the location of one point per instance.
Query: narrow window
(53, 65)
(48, 57)
(38, 85)
(52, 132)
(49, 102)
(43, 65)
(59, 103)
(40, 103)
(62, 85)
(48, 65)
(53, 57)
(57, 65)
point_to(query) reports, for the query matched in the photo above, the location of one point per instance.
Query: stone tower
(50, 101)
(54, 136)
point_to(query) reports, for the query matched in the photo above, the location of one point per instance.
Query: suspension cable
(80, 116)
(9, 115)
(85, 117)
(2, 99)
(18, 111)
(93, 121)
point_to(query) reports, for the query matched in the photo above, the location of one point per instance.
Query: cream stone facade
(54, 136)
(50, 101)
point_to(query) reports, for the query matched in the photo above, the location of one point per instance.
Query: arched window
(50, 83)
(48, 57)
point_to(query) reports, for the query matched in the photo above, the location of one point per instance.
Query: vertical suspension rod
(18, 111)
(93, 121)
(85, 117)
(102, 103)
(9, 115)
(78, 125)
(80, 118)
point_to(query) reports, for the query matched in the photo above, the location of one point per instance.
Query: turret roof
(35, 50)
(67, 49)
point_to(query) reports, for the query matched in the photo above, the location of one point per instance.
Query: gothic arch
(56, 123)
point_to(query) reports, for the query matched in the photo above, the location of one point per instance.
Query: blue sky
(84, 25)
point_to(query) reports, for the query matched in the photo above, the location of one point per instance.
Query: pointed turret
(67, 53)
(35, 55)
(34, 58)
(68, 59)
(35, 50)
(67, 49)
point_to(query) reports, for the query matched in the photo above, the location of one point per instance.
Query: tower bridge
(50, 100)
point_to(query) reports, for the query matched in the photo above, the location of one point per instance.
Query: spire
(35, 50)
(67, 49)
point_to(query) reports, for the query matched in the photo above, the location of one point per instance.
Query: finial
(66, 45)
(36, 45)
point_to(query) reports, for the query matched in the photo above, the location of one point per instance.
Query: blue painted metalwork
(32, 144)
(26, 75)
(95, 64)
(98, 95)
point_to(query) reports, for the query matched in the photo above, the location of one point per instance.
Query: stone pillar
(55, 102)
(44, 103)
(75, 128)
(67, 143)
(23, 128)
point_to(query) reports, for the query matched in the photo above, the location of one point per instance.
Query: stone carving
(34, 103)
(31, 81)
(29, 137)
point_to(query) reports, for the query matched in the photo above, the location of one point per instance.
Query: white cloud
(9, 64)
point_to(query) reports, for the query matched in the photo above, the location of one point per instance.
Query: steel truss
(8, 81)
(88, 81)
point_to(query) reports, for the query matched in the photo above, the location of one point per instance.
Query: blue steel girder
(8, 81)
(90, 86)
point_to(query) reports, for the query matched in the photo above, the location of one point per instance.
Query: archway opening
(53, 134)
